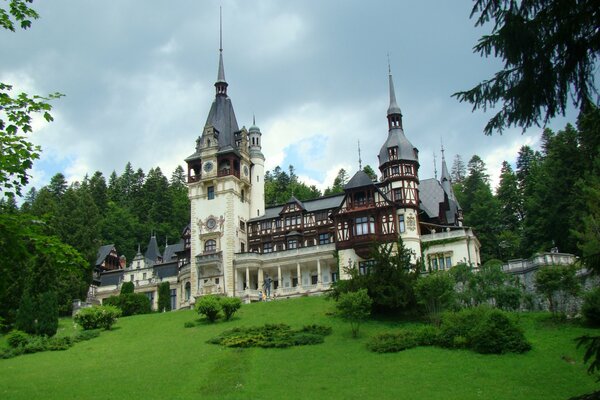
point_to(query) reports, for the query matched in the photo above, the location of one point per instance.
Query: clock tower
(226, 189)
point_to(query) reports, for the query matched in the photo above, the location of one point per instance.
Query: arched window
(210, 246)
(188, 291)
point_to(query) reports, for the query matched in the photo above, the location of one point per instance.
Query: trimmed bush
(459, 324)
(17, 338)
(97, 317)
(36, 344)
(271, 336)
(428, 335)
(59, 344)
(393, 342)
(209, 306)
(496, 333)
(230, 305)
(130, 303)
(127, 287)
(164, 297)
(591, 308)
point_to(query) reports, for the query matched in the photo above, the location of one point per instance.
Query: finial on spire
(220, 29)
(359, 159)
(442, 144)
(253, 119)
(389, 64)
(393, 109)
(434, 166)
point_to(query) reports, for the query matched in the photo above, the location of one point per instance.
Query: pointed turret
(446, 180)
(394, 113)
(152, 253)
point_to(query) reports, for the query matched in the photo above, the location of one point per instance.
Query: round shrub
(230, 305)
(591, 308)
(17, 338)
(496, 333)
(209, 306)
(97, 317)
(134, 304)
(127, 287)
(454, 324)
(60, 344)
(427, 335)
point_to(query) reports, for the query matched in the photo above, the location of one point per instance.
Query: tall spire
(446, 180)
(221, 84)
(394, 113)
(359, 159)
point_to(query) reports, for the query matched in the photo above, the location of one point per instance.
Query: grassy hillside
(155, 357)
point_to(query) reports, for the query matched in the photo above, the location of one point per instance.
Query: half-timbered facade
(235, 246)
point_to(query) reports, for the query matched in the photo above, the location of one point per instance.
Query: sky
(138, 78)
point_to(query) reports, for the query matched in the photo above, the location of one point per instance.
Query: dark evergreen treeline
(124, 211)
(550, 200)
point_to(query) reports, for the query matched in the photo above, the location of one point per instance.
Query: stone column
(318, 274)
(299, 275)
(260, 279)
(247, 279)
(279, 279)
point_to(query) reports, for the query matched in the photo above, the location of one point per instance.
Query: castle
(235, 246)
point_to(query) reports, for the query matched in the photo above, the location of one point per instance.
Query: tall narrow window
(243, 196)
(401, 225)
(188, 291)
(210, 192)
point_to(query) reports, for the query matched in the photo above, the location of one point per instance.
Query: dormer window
(393, 153)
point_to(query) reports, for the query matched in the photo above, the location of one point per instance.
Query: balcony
(211, 257)
(279, 256)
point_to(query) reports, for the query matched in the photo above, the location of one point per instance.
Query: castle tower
(222, 193)
(399, 166)
(257, 171)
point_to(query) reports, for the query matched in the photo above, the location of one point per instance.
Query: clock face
(211, 223)
(208, 166)
(246, 171)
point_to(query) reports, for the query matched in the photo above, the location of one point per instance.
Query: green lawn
(155, 357)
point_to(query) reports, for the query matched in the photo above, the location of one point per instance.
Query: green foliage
(592, 352)
(164, 297)
(17, 338)
(86, 335)
(497, 334)
(97, 317)
(354, 307)
(591, 308)
(280, 186)
(47, 314)
(484, 330)
(549, 51)
(189, 324)
(272, 336)
(508, 298)
(557, 284)
(130, 303)
(230, 305)
(127, 287)
(209, 306)
(339, 182)
(393, 342)
(26, 314)
(435, 292)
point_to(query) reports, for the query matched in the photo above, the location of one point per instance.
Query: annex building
(235, 246)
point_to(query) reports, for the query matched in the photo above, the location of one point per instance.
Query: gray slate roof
(103, 251)
(360, 179)
(322, 203)
(109, 278)
(171, 250)
(431, 194)
(166, 270)
(152, 253)
(396, 138)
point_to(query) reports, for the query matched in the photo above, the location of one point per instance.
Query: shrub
(189, 324)
(127, 288)
(130, 303)
(230, 305)
(164, 297)
(354, 307)
(47, 314)
(428, 335)
(59, 344)
(436, 293)
(459, 324)
(97, 317)
(209, 306)
(17, 338)
(496, 333)
(271, 336)
(591, 308)
(25, 320)
(508, 298)
(393, 342)
(36, 344)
